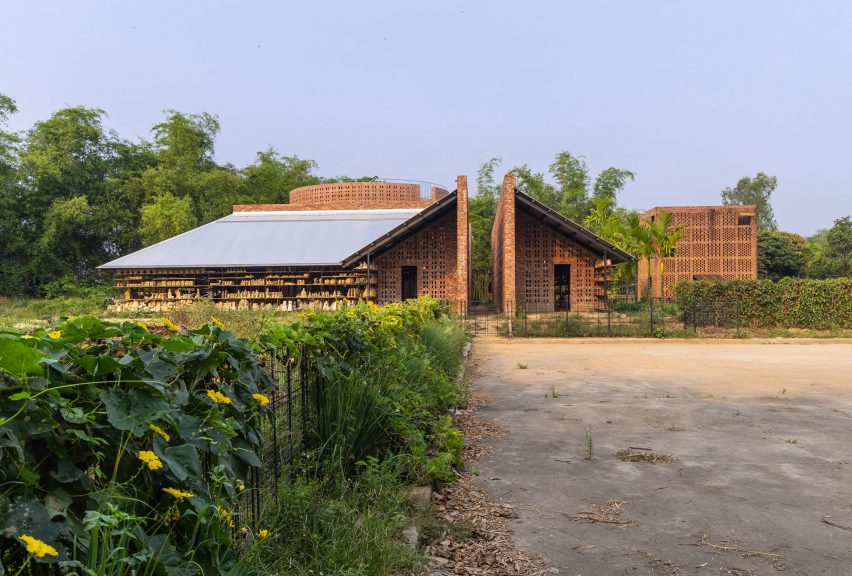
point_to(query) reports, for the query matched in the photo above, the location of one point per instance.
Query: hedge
(788, 303)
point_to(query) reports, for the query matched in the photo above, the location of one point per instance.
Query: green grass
(337, 526)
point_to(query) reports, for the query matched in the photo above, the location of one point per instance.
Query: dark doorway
(562, 286)
(409, 282)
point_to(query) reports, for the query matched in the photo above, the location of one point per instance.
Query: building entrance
(562, 286)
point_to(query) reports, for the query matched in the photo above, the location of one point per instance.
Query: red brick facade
(539, 248)
(524, 253)
(719, 242)
(352, 196)
(503, 247)
(440, 252)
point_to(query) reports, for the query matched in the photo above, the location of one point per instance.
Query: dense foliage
(74, 194)
(788, 303)
(572, 193)
(755, 191)
(126, 449)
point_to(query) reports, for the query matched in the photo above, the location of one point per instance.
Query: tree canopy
(74, 194)
(757, 191)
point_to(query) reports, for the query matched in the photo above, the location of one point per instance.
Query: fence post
(651, 313)
(694, 319)
(739, 320)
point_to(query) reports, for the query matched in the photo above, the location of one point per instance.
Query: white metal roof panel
(298, 238)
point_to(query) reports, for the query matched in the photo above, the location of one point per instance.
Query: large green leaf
(132, 409)
(19, 359)
(183, 461)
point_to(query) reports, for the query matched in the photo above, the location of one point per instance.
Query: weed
(791, 441)
(590, 445)
(553, 392)
(522, 366)
(737, 413)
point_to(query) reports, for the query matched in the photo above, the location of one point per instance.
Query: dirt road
(760, 433)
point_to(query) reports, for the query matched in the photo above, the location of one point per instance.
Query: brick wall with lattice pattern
(718, 242)
(433, 250)
(539, 248)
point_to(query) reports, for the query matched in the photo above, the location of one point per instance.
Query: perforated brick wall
(433, 250)
(718, 242)
(538, 249)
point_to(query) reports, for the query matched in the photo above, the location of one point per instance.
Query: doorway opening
(409, 282)
(561, 287)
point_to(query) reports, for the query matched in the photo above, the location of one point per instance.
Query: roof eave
(428, 212)
(579, 233)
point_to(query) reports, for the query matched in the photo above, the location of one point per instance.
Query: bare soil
(760, 438)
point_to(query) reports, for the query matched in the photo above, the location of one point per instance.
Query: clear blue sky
(689, 95)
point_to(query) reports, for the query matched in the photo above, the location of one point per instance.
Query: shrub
(124, 449)
(788, 303)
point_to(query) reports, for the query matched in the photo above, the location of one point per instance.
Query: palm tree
(664, 238)
(644, 239)
(602, 219)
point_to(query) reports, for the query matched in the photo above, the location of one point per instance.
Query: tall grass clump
(444, 342)
(340, 526)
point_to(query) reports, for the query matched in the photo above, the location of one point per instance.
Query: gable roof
(582, 236)
(280, 238)
(405, 229)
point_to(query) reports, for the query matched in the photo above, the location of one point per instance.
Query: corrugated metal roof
(304, 238)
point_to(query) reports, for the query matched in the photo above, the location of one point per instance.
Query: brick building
(542, 261)
(719, 243)
(384, 241)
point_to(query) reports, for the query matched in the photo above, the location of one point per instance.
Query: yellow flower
(177, 493)
(85, 345)
(232, 524)
(150, 459)
(142, 325)
(169, 324)
(240, 485)
(160, 431)
(55, 335)
(218, 397)
(37, 547)
(223, 513)
(264, 533)
(216, 322)
(262, 400)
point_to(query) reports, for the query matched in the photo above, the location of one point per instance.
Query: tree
(165, 217)
(486, 186)
(839, 245)
(534, 184)
(572, 178)
(756, 191)
(664, 238)
(65, 162)
(779, 255)
(645, 248)
(482, 208)
(272, 176)
(610, 182)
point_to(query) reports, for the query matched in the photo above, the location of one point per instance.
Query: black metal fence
(654, 317)
(286, 428)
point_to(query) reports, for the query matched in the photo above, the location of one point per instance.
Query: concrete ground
(761, 430)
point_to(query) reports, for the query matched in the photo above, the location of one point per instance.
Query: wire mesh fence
(286, 430)
(651, 317)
